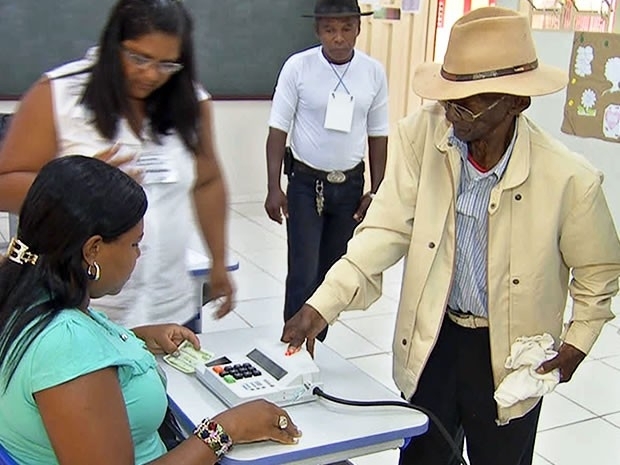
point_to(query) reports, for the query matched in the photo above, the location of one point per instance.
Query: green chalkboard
(240, 44)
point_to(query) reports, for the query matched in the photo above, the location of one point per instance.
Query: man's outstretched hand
(305, 326)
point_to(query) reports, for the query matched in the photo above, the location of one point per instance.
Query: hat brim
(338, 15)
(429, 84)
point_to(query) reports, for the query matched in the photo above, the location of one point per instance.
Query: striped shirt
(469, 284)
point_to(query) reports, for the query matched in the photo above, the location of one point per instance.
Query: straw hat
(336, 9)
(490, 51)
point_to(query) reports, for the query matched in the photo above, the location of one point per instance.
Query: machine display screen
(218, 361)
(267, 364)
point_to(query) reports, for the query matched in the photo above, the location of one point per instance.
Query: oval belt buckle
(336, 177)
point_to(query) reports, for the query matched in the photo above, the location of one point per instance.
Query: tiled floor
(580, 422)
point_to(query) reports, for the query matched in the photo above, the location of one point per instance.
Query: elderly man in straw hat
(497, 222)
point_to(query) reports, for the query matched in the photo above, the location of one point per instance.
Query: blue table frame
(5, 458)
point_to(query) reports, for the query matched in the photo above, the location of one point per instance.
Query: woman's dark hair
(174, 106)
(72, 199)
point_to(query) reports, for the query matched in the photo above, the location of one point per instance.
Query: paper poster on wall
(410, 6)
(386, 13)
(441, 7)
(592, 107)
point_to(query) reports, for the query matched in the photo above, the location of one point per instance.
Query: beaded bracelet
(214, 436)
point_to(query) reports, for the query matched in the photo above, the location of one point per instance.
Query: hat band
(325, 10)
(489, 74)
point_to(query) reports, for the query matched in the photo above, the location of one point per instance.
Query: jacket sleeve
(354, 282)
(590, 247)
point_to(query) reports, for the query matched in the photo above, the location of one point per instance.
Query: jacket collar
(518, 167)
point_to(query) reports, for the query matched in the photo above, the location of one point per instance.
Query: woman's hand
(258, 420)
(165, 339)
(123, 162)
(222, 290)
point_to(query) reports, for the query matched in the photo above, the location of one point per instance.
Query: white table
(199, 264)
(331, 432)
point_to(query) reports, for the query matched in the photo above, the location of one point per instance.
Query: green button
(230, 379)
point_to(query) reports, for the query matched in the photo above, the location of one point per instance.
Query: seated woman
(75, 388)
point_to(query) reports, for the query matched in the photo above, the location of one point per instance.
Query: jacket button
(404, 341)
(515, 281)
(493, 206)
(518, 197)
(431, 245)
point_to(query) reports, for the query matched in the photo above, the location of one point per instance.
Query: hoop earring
(93, 271)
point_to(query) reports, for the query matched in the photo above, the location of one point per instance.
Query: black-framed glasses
(143, 62)
(465, 114)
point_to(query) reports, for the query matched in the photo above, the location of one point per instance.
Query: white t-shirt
(160, 289)
(300, 102)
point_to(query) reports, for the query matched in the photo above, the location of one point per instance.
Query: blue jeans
(316, 242)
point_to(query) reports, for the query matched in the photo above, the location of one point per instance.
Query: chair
(5, 458)
(5, 119)
(12, 231)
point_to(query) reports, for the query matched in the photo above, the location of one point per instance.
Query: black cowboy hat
(336, 8)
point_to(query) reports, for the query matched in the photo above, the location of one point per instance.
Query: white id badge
(157, 167)
(339, 114)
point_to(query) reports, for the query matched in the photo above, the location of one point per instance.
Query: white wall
(240, 135)
(241, 131)
(7, 107)
(554, 48)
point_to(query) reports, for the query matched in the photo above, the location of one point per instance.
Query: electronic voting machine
(264, 372)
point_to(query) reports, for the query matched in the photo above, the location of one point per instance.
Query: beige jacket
(547, 217)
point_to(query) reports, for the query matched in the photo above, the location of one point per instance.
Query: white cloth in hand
(526, 355)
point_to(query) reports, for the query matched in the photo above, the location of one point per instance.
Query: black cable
(317, 391)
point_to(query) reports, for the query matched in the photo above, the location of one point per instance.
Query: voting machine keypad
(233, 373)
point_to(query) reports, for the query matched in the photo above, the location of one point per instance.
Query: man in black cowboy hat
(337, 9)
(332, 99)
(497, 223)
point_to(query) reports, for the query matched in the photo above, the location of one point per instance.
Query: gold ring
(282, 422)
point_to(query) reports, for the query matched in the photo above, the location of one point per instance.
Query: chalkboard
(240, 44)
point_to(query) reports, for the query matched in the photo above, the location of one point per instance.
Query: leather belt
(333, 177)
(467, 320)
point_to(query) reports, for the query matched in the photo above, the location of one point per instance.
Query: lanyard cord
(341, 77)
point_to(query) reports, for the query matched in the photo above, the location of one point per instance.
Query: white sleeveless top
(160, 289)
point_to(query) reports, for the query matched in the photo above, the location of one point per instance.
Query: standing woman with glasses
(133, 102)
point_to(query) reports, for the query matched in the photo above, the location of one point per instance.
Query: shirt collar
(499, 169)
